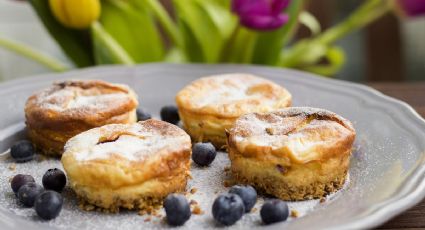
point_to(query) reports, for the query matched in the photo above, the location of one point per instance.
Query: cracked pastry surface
(210, 105)
(294, 154)
(133, 166)
(59, 112)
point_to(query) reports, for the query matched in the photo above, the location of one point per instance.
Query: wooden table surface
(413, 94)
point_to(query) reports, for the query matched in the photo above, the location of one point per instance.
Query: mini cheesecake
(65, 109)
(296, 153)
(132, 166)
(210, 105)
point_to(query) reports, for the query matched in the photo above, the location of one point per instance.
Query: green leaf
(197, 26)
(270, 44)
(225, 21)
(304, 52)
(134, 29)
(335, 57)
(75, 43)
(224, 3)
(106, 49)
(208, 24)
(175, 55)
(240, 47)
(309, 21)
(192, 47)
(163, 18)
(308, 55)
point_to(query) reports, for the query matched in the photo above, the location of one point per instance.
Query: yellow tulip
(77, 14)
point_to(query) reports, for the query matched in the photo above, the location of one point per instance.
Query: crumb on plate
(294, 213)
(193, 202)
(197, 210)
(193, 190)
(12, 167)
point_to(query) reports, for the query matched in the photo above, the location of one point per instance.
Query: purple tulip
(261, 14)
(412, 8)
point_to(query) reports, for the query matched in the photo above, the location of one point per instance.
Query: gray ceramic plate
(386, 173)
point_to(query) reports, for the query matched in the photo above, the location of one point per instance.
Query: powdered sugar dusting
(231, 92)
(225, 94)
(77, 96)
(292, 129)
(95, 101)
(130, 141)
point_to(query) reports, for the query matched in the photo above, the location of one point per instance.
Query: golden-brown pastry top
(76, 103)
(232, 95)
(297, 134)
(129, 142)
(119, 155)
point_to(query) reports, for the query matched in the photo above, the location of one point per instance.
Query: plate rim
(390, 208)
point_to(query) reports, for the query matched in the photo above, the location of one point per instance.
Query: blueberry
(170, 114)
(48, 205)
(228, 208)
(22, 151)
(142, 115)
(177, 209)
(274, 211)
(20, 180)
(247, 194)
(203, 154)
(54, 179)
(28, 192)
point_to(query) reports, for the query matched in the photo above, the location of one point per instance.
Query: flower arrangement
(96, 32)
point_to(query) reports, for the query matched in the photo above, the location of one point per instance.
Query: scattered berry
(54, 179)
(177, 209)
(203, 154)
(28, 192)
(247, 194)
(22, 151)
(48, 205)
(20, 180)
(170, 114)
(274, 211)
(228, 208)
(142, 115)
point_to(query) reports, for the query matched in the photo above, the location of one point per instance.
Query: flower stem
(165, 20)
(302, 53)
(33, 54)
(363, 16)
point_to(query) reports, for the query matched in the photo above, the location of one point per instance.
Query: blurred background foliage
(389, 50)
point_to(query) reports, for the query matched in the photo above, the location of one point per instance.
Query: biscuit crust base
(146, 196)
(171, 177)
(51, 142)
(297, 182)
